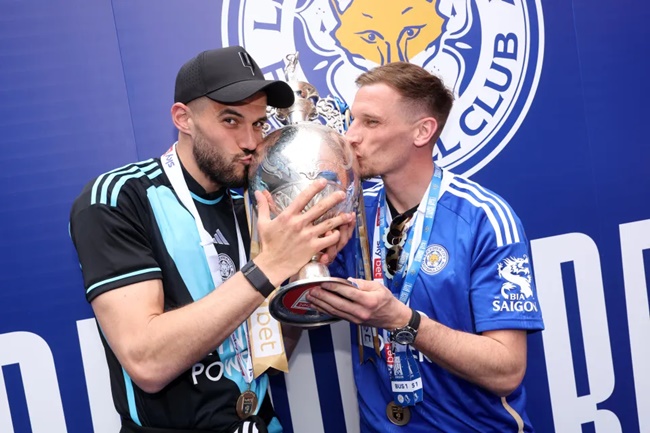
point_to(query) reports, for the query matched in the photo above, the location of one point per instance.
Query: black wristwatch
(407, 334)
(258, 280)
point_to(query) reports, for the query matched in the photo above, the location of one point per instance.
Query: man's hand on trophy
(346, 231)
(369, 303)
(273, 206)
(291, 239)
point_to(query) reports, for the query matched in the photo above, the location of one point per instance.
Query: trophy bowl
(290, 159)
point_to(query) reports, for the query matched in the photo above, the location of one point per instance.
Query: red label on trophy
(296, 300)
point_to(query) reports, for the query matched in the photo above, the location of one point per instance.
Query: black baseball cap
(228, 75)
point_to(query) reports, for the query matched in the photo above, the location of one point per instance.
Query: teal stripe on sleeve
(121, 277)
(125, 175)
(98, 181)
(154, 174)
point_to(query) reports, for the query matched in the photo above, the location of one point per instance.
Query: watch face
(404, 337)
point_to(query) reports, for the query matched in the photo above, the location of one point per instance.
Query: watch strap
(258, 280)
(414, 323)
(410, 328)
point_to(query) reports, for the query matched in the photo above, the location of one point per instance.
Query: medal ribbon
(245, 366)
(403, 370)
(171, 165)
(405, 276)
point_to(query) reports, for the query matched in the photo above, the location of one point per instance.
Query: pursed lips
(246, 159)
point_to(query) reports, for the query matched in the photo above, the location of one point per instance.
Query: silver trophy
(308, 145)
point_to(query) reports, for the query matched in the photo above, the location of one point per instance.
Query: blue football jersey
(475, 276)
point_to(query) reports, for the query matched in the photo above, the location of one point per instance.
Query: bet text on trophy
(308, 145)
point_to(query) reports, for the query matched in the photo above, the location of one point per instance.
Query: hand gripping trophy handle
(365, 270)
(362, 230)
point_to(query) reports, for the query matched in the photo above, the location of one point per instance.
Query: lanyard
(403, 369)
(172, 167)
(409, 264)
(368, 335)
(245, 365)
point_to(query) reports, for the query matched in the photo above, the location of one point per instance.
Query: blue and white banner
(550, 113)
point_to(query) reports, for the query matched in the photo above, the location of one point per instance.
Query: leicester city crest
(489, 52)
(436, 258)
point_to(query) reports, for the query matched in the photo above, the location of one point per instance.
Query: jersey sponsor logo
(209, 368)
(436, 258)
(214, 370)
(489, 53)
(516, 291)
(227, 266)
(223, 363)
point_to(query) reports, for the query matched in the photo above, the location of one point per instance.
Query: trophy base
(290, 305)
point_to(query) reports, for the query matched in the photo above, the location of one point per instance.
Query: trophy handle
(251, 218)
(364, 243)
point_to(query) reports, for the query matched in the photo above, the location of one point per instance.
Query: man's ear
(426, 129)
(182, 117)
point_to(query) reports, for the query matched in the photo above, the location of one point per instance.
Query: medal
(246, 404)
(398, 415)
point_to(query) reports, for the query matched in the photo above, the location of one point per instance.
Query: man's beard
(216, 167)
(367, 173)
(366, 177)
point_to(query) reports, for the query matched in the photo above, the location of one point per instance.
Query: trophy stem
(313, 269)
(290, 305)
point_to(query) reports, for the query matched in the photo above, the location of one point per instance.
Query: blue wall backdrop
(551, 113)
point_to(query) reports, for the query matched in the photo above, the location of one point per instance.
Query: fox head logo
(387, 31)
(489, 53)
